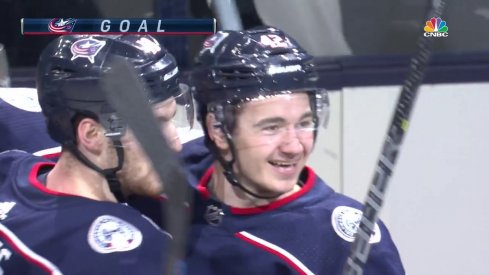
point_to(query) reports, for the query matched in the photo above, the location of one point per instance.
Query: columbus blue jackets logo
(61, 25)
(86, 48)
(211, 43)
(345, 221)
(109, 234)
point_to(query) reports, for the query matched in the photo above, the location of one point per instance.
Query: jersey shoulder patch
(345, 221)
(108, 234)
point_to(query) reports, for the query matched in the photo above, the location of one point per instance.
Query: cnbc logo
(435, 27)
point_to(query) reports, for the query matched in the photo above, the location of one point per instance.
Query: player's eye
(306, 124)
(271, 129)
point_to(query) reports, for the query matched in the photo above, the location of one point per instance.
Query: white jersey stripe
(27, 253)
(49, 151)
(274, 249)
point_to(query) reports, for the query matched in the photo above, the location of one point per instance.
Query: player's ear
(215, 132)
(90, 135)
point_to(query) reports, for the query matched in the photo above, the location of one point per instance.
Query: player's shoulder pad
(194, 150)
(21, 98)
(8, 159)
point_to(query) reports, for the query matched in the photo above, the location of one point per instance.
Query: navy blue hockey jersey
(22, 124)
(309, 232)
(47, 232)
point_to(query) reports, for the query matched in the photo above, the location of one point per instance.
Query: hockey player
(259, 209)
(65, 217)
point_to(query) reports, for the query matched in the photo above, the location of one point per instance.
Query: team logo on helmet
(345, 221)
(86, 48)
(211, 43)
(109, 234)
(213, 215)
(60, 25)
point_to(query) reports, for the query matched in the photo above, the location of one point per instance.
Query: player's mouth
(284, 168)
(282, 164)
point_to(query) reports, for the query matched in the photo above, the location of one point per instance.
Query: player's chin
(176, 145)
(148, 189)
(280, 186)
(282, 178)
(146, 185)
(153, 186)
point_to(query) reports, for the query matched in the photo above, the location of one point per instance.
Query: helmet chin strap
(228, 168)
(110, 173)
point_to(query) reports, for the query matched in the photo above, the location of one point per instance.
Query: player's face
(138, 175)
(274, 138)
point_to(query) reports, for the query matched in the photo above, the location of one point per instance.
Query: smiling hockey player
(259, 209)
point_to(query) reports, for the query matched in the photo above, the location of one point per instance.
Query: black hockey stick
(125, 92)
(227, 14)
(398, 127)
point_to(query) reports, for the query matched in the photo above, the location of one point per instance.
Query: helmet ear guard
(114, 126)
(218, 111)
(320, 105)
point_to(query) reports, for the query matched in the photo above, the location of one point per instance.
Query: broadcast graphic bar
(60, 26)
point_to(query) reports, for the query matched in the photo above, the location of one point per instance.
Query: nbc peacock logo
(436, 27)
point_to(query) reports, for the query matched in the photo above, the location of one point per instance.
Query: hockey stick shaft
(125, 92)
(227, 14)
(392, 144)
